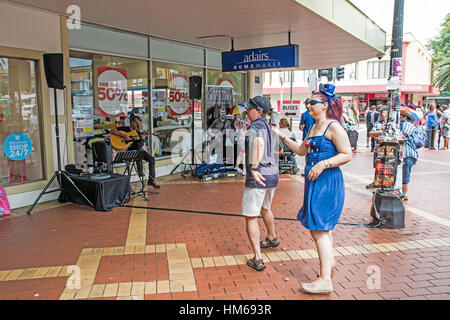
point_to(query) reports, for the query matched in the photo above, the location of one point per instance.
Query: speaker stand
(191, 153)
(58, 174)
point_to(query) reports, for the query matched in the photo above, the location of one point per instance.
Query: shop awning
(329, 32)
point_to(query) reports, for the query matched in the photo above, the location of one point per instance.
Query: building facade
(109, 75)
(364, 83)
(116, 66)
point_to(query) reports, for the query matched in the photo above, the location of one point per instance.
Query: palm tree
(442, 80)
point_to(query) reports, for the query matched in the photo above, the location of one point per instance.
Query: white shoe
(244, 172)
(318, 286)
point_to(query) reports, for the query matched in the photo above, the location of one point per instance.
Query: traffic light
(340, 72)
(326, 73)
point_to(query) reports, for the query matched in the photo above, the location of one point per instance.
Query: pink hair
(335, 109)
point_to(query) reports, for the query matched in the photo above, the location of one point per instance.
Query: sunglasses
(313, 102)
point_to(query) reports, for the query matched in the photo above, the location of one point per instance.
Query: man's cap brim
(248, 106)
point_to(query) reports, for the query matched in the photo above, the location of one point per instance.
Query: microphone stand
(142, 192)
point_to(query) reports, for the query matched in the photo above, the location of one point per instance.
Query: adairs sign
(262, 58)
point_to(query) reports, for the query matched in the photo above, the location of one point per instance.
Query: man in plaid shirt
(410, 153)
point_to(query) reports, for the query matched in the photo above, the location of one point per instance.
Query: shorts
(369, 128)
(254, 199)
(408, 163)
(446, 131)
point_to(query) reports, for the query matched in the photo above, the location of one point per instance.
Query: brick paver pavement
(161, 254)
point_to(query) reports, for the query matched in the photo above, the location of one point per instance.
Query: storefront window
(106, 92)
(236, 80)
(20, 134)
(172, 110)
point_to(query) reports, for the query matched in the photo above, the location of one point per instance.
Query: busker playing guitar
(137, 144)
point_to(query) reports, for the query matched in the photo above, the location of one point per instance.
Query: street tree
(440, 46)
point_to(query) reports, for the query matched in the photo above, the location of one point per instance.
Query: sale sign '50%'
(112, 94)
(112, 91)
(178, 101)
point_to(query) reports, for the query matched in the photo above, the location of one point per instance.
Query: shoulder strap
(329, 126)
(307, 134)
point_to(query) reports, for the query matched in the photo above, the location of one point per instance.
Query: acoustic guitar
(120, 144)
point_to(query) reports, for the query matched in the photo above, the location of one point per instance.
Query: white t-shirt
(445, 115)
(287, 133)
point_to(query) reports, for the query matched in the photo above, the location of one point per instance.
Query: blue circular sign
(17, 146)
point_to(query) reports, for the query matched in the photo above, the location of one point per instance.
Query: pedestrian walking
(445, 125)
(350, 122)
(326, 147)
(410, 153)
(274, 117)
(261, 180)
(285, 128)
(353, 114)
(369, 125)
(431, 123)
(240, 128)
(306, 122)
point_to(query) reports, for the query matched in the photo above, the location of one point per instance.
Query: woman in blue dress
(326, 147)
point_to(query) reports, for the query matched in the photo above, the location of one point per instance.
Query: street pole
(395, 70)
(388, 210)
(396, 67)
(292, 87)
(281, 92)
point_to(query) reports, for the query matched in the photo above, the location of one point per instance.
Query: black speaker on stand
(54, 74)
(195, 93)
(102, 156)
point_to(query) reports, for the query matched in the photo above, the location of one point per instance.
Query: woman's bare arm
(339, 137)
(299, 149)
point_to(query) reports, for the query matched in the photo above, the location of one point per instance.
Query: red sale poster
(112, 92)
(178, 102)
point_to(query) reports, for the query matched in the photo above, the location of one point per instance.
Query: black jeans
(151, 166)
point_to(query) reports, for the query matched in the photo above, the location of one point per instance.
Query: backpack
(418, 136)
(4, 203)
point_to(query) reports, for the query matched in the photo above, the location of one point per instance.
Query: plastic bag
(4, 203)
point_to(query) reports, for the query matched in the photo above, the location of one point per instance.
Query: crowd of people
(436, 122)
(326, 145)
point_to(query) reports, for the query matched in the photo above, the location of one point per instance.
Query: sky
(421, 17)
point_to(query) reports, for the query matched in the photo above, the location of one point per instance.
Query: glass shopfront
(172, 110)
(106, 92)
(21, 157)
(108, 89)
(236, 80)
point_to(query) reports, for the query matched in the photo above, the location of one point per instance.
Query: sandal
(269, 243)
(258, 265)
